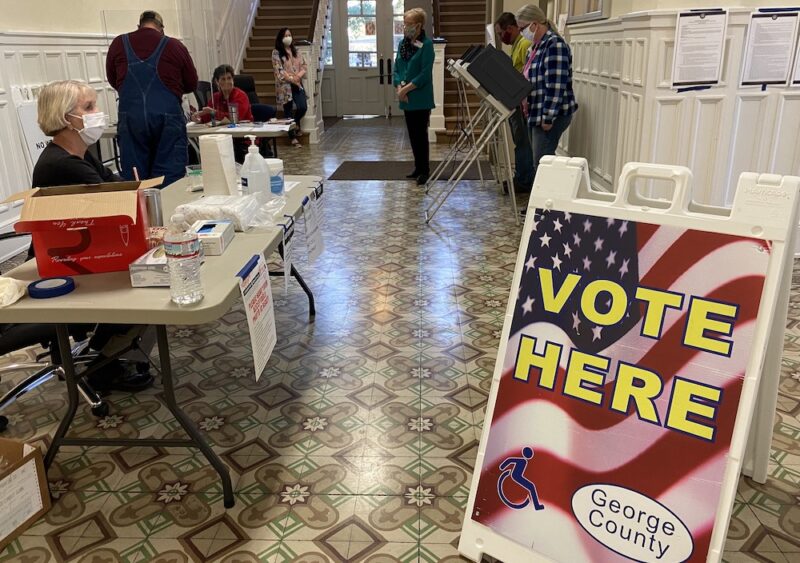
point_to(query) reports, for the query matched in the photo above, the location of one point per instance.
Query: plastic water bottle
(183, 260)
(255, 172)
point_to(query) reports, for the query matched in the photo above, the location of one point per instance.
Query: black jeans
(417, 121)
(300, 107)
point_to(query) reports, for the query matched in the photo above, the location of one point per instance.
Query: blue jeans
(523, 153)
(299, 105)
(546, 142)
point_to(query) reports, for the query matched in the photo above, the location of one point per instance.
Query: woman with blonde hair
(68, 112)
(549, 68)
(413, 79)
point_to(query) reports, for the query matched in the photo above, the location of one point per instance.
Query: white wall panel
(786, 154)
(628, 110)
(95, 67)
(747, 139)
(32, 66)
(704, 147)
(76, 66)
(55, 67)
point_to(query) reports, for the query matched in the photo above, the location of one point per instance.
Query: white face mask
(93, 126)
(527, 33)
(287, 40)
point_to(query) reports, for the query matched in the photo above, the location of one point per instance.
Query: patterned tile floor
(358, 442)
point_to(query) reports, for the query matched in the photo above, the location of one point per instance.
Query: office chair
(203, 93)
(248, 84)
(261, 112)
(14, 337)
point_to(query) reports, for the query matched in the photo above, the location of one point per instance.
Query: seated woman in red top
(225, 96)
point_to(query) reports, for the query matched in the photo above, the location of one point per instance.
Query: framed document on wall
(588, 10)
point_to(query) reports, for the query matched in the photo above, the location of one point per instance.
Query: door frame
(385, 46)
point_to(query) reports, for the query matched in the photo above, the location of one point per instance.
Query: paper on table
(287, 186)
(699, 44)
(273, 127)
(768, 56)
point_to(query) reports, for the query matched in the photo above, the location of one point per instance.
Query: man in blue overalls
(151, 72)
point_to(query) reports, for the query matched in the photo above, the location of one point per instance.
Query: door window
(362, 34)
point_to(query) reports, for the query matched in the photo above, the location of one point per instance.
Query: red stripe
(652, 473)
(688, 250)
(666, 357)
(643, 233)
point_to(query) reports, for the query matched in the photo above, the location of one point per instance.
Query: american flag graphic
(577, 443)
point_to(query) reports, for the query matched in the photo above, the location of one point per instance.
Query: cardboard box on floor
(24, 496)
(85, 229)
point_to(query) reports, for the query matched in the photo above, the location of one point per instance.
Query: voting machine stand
(490, 125)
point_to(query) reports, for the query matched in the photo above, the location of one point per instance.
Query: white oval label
(632, 524)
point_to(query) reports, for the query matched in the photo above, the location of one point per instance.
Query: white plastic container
(255, 172)
(276, 176)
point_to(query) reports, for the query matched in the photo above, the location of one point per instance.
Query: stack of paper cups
(275, 176)
(219, 167)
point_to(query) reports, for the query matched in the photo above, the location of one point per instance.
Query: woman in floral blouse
(289, 68)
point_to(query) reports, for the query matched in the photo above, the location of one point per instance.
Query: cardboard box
(85, 229)
(150, 269)
(24, 496)
(215, 235)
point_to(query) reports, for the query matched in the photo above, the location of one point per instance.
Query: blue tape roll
(50, 287)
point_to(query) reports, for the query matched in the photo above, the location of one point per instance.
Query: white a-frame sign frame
(630, 364)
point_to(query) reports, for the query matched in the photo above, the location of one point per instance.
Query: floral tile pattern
(359, 440)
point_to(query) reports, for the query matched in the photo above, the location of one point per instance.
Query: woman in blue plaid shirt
(549, 68)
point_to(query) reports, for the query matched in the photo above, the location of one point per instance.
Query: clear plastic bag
(240, 210)
(269, 213)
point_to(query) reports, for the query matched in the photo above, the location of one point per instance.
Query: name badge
(418, 44)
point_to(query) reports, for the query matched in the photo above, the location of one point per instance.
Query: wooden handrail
(437, 24)
(313, 23)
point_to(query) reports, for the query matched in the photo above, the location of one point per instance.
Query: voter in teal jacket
(413, 78)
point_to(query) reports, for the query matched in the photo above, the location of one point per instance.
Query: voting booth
(630, 361)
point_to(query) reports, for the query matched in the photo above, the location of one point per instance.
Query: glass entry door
(370, 31)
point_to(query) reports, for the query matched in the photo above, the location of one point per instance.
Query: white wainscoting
(628, 112)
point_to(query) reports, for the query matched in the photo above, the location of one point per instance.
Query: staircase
(272, 16)
(461, 22)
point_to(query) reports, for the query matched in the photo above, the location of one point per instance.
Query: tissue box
(150, 269)
(24, 496)
(214, 235)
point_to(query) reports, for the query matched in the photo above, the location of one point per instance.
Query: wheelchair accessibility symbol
(514, 467)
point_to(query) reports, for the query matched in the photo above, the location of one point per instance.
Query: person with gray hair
(551, 104)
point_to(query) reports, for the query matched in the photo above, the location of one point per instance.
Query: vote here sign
(620, 384)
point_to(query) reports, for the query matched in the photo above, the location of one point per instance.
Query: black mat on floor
(397, 170)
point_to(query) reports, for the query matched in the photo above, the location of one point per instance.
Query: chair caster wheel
(101, 410)
(3, 423)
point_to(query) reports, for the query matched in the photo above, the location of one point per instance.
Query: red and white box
(85, 229)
